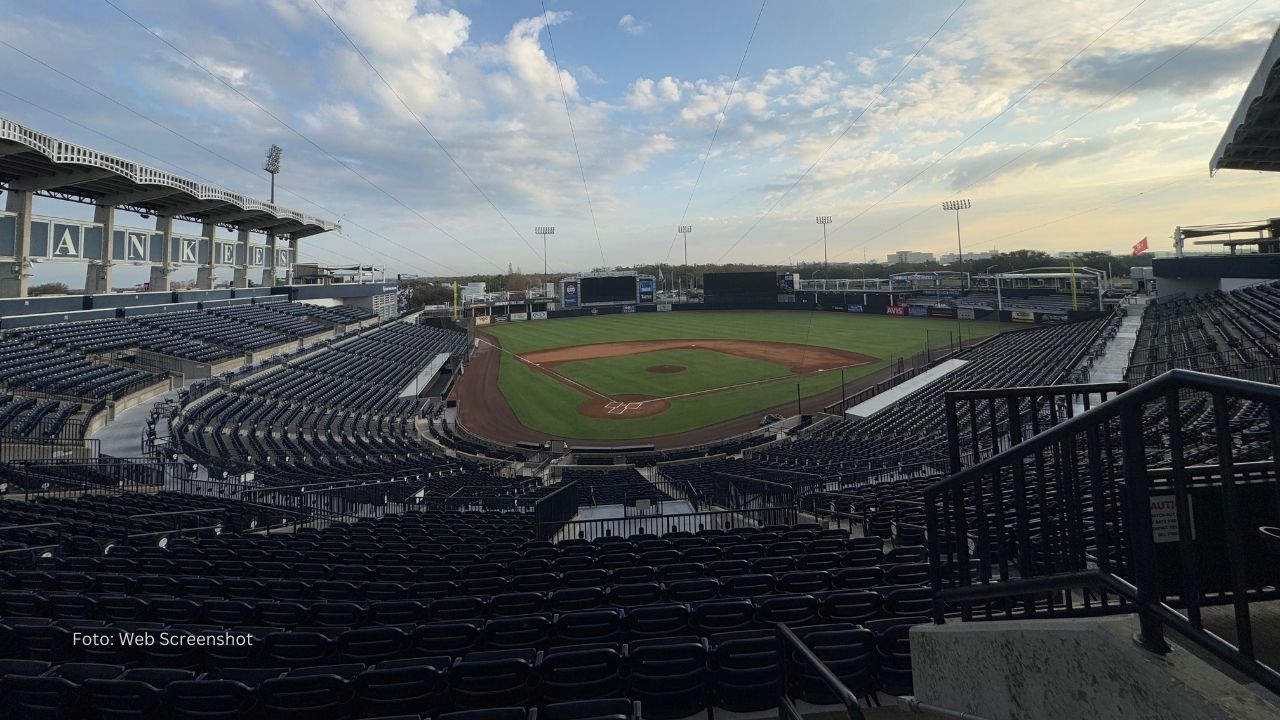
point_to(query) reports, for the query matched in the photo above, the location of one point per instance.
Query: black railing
(981, 423)
(739, 491)
(679, 489)
(659, 524)
(1152, 500)
(793, 651)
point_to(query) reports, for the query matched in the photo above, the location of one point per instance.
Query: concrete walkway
(1111, 366)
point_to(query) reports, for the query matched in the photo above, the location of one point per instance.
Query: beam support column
(269, 270)
(160, 276)
(15, 275)
(204, 272)
(240, 276)
(99, 274)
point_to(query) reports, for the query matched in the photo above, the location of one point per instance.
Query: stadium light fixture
(272, 166)
(544, 231)
(956, 206)
(824, 221)
(685, 230)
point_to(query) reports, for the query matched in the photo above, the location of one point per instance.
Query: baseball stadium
(250, 470)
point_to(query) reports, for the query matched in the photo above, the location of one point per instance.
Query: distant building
(909, 257)
(949, 258)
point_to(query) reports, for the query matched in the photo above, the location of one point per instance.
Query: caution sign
(1164, 519)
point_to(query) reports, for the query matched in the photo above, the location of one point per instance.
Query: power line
(308, 140)
(1057, 132)
(706, 157)
(563, 96)
(879, 95)
(423, 125)
(984, 126)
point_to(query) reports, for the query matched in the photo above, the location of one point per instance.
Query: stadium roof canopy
(1252, 140)
(36, 162)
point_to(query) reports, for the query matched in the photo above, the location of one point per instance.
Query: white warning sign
(1164, 519)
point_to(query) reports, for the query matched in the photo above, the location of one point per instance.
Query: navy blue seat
(579, 672)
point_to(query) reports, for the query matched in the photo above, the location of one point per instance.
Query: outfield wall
(831, 305)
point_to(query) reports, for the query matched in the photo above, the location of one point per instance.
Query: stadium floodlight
(824, 221)
(272, 166)
(544, 231)
(956, 206)
(685, 230)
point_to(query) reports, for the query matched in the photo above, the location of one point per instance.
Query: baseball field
(639, 377)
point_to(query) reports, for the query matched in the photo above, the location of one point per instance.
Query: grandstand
(268, 502)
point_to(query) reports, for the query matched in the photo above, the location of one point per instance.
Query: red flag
(1141, 246)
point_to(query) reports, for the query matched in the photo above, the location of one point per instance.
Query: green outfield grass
(704, 370)
(550, 406)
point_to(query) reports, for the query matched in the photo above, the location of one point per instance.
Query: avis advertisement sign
(896, 310)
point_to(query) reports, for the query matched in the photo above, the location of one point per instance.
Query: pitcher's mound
(665, 369)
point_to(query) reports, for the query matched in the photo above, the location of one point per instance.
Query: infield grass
(548, 405)
(703, 370)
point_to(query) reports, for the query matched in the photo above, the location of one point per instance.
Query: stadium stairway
(1111, 366)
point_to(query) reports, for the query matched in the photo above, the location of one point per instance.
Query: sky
(1070, 125)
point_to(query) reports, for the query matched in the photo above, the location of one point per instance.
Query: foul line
(628, 404)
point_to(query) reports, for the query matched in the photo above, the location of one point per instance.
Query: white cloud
(631, 26)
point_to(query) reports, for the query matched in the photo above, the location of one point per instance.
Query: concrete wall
(1071, 669)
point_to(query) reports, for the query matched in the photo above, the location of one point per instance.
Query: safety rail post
(1141, 545)
(789, 643)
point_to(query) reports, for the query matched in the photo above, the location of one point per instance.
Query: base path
(801, 359)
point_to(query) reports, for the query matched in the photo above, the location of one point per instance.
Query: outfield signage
(896, 310)
(918, 311)
(519, 317)
(942, 312)
(571, 293)
(628, 308)
(1024, 316)
(966, 313)
(855, 308)
(1053, 318)
(482, 319)
(664, 307)
(57, 239)
(645, 285)
(538, 315)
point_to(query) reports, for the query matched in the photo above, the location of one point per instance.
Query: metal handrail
(788, 642)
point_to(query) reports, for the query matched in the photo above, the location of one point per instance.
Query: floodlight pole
(957, 206)
(544, 231)
(685, 230)
(272, 166)
(824, 221)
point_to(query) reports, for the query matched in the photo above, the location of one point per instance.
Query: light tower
(957, 206)
(272, 166)
(544, 231)
(685, 230)
(824, 221)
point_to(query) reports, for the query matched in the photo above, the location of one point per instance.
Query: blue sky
(1053, 157)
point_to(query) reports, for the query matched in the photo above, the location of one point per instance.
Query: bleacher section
(612, 487)
(27, 366)
(1224, 333)
(426, 613)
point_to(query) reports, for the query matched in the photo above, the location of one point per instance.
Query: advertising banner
(942, 312)
(646, 290)
(896, 310)
(482, 320)
(571, 294)
(1053, 318)
(664, 307)
(918, 311)
(538, 315)
(1024, 316)
(500, 319)
(855, 308)
(966, 313)
(628, 308)
(519, 317)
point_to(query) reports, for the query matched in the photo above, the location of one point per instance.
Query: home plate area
(618, 408)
